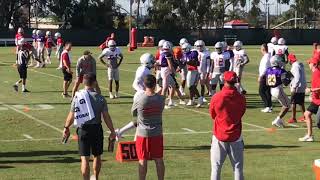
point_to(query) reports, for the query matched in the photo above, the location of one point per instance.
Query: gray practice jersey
(85, 66)
(148, 110)
(298, 83)
(99, 105)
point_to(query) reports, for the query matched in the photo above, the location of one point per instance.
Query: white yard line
(189, 130)
(292, 125)
(168, 133)
(27, 136)
(31, 117)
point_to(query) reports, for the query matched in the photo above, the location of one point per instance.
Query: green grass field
(31, 126)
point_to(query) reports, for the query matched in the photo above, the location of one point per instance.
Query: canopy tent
(236, 24)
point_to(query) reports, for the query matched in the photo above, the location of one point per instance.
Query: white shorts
(216, 79)
(158, 74)
(183, 73)
(40, 51)
(238, 71)
(192, 78)
(203, 76)
(113, 74)
(280, 95)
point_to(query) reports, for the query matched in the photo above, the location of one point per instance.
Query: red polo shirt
(315, 83)
(226, 109)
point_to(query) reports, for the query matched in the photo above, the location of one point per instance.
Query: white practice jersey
(219, 62)
(280, 50)
(240, 57)
(205, 62)
(270, 48)
(111, 56)
(141, 73)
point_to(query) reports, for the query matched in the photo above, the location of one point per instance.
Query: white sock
(17, 83)
(23, 87)
(126, 128)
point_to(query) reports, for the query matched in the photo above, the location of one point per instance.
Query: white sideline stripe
(189, 130)
(27, 136)
(169, 133)
(31, 117)
(292, 125)
(249, 124)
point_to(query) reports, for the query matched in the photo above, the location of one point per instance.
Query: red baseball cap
(314, 60)
(292, 58)
(230, 76)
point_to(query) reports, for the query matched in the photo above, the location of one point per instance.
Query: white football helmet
(160, 43)
(182, 41)
(20, 30)
(237, 45)
(224, 45)
(34, 31)
(38, 32)
(147, 60)
(281, 41)
(57, 35)
(275, 61)
(186, 47)
(200, 45)
(166, 46)
(274, 40)
(218, 46)
(111, 45)
(48, 33)
(21, 41)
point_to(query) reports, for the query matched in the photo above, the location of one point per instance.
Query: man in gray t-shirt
(90, 134)
(148, 108)
(85, 64)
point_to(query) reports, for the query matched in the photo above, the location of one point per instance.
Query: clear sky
(274, 7)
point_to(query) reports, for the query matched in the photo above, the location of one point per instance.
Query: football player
(147, 61)
(276, 78)
(166, 67)
(112, 54)
(191, 59)
(282, 51)
(18, 37)
(229, 53)
(34, 44)
(22, 65)
(157, 57)
(183, 67)
(240, 60)
(273, 42)
(203, 68)
(218, 59)
(48, 44)
(59, 46)
(40, 49)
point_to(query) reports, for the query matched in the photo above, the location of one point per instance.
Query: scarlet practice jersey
(49, 42)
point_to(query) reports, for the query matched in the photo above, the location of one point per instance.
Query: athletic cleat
(278, 123)
(301, 119)
(65, 96)
(25, 91)
(292, 120)
(59, 68)
(190, 103)
(111, 96)
(200, 102)
(167, 107)
(267, 110)
(182, 102)
(171, 103)
(15, 87)
(243, 92)
(306, 138)
(204, 100)
(116, 95)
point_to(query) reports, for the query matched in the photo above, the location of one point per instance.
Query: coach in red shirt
(315, 99)
(226, 109)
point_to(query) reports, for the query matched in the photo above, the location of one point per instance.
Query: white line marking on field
(31, 117)
(22, 140)
(27, 136)
(189, 130)
(6, 82)
(292, 125)
(249, 124)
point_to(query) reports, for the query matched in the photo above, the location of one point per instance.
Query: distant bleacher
(10, 41)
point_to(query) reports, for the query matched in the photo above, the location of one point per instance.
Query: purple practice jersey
(191, 56)
(34, 37)
(164, 57)
(274, 76)
(41, 39)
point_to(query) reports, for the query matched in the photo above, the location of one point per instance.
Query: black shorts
(313, 108)
(66, 76)
(90, 140)
(22, 71)
(298, 98)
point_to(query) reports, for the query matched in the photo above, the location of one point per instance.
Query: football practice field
(31, 128)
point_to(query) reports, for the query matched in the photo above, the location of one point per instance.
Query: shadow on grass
(267, 146)
(37, 161)
(6, 167)
(36, 153)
